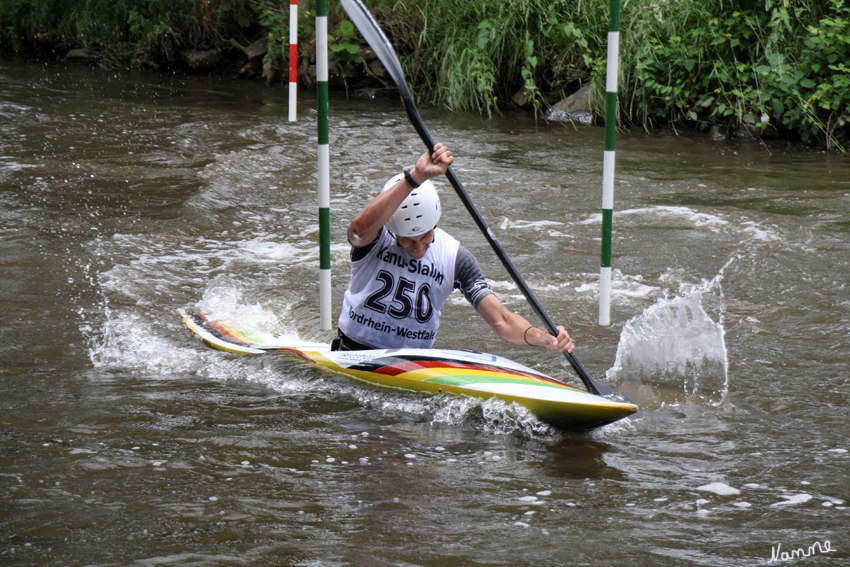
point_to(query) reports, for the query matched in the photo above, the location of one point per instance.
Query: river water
(125, 441)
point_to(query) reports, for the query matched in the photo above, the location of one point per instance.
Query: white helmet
(418, 213)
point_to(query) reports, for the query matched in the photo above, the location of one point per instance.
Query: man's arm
(517, 330)
(367, 224)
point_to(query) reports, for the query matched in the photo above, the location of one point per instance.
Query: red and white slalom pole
(293, 58)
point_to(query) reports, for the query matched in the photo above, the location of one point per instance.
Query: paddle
(362, 18)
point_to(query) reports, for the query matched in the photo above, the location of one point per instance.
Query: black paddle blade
(374, 36)
(377, 40)
(595, 386)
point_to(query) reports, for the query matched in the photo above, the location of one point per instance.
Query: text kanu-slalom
(413, 266)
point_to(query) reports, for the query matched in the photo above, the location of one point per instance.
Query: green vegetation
(767, 65)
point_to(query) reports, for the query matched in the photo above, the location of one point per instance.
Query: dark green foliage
(126, 32)
(768, 65)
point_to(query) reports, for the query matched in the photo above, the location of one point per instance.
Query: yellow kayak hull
(436, 371)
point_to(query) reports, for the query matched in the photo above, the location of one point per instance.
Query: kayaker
(403, 269)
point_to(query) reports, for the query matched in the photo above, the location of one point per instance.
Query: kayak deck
(435, 371)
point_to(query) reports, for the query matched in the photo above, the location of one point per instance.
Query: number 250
(404, 301)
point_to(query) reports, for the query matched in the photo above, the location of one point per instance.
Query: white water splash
(223, 300)
(676, 350)
(495, 416)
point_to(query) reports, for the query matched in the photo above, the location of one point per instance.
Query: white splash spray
(675, 351)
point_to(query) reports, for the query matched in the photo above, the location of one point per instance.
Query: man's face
(416, 246)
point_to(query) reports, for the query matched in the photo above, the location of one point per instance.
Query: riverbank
(766, 69)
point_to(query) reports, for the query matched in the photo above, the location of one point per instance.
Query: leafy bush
(763, 64)
(128, 32)
(780, 67)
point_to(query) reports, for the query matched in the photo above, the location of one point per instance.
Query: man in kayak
(403, 269)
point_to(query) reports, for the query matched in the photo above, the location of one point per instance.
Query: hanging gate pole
(608, 162)
(293, 58)
(324, 188)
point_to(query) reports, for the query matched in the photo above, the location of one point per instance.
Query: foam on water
(534, 225)
(715, 223)
(719, 488)
(682, 214)
(792, 499)
(137, 326)
(495, 415)
(624, 287)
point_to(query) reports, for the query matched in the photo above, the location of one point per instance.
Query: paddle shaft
(592, 386)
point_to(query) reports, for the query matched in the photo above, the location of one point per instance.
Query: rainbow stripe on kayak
(435, 371)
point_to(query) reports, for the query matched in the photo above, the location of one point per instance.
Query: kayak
(434, 371)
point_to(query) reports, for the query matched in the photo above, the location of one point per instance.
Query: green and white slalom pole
(324, 188)
(608, 162)
(293, 58)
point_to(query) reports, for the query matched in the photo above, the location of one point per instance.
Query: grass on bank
(765, 64)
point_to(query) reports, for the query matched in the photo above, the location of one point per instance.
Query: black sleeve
(359, 252)
(469, 278)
